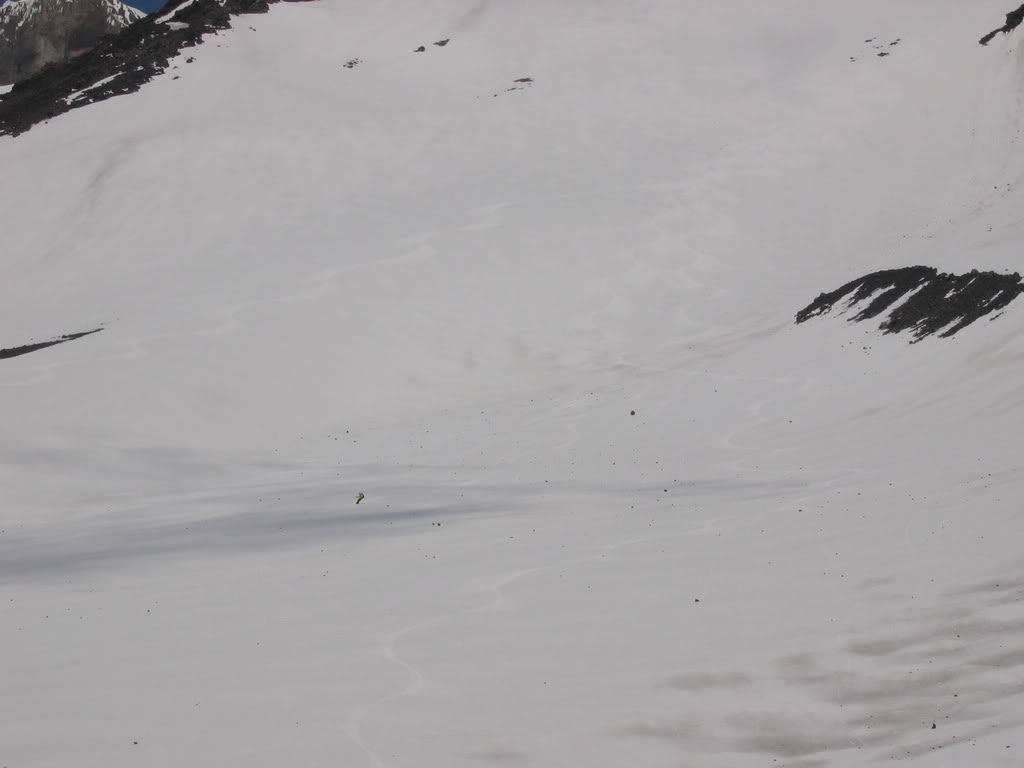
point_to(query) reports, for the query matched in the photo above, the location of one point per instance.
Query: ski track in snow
(387, 646)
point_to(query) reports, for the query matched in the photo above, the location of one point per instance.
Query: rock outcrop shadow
(921, 300)
(1013, 20)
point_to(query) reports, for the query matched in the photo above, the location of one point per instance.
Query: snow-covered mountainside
(120, 64)
(34, 33)
(522, 279)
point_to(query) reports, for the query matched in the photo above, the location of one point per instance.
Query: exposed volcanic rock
(1013, 20)
(120, 63)
(35, 347)
(934, 301)
(34, 33)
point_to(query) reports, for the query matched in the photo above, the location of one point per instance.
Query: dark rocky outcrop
(34, 33)
(120, 63)
(934, 301)
(1013, 20)
(35, 347)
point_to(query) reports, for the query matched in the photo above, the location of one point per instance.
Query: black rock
(124, 62)
(43, 32)
(935, 301)
(1013, 20)
(26, 348)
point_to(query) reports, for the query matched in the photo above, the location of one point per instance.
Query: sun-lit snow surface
(316, 281)
(163, 18)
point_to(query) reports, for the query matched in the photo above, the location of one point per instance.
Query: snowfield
(619, 509)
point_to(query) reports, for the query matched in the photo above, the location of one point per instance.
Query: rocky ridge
(920, 299)
(34, 33)
(120, 63)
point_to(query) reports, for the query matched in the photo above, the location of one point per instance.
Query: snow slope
(403, 279)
